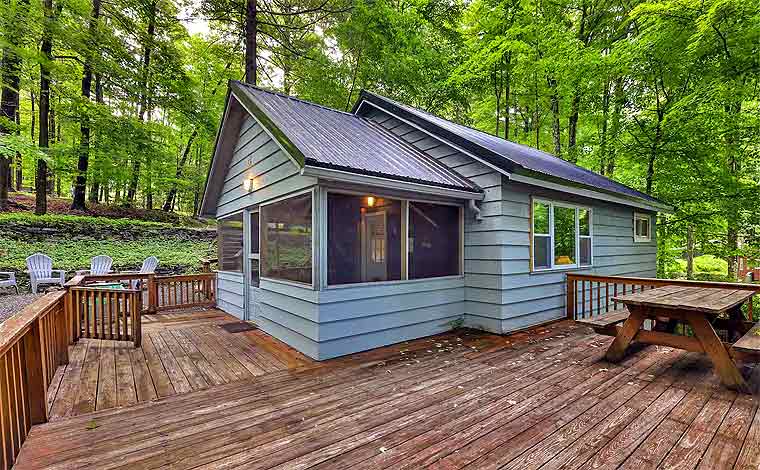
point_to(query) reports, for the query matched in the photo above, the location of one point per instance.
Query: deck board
(544, 399)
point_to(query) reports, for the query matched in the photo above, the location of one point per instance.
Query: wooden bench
(748, 345)
(606, 320)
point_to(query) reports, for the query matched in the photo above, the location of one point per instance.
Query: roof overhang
(331, 174)
(579, 190)
(495, 161)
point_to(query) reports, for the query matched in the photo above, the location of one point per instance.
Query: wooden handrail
(33, 343)
(599, 299)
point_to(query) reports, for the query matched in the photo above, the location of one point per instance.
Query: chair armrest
(82, 272)
(61, 273)
(11, 275)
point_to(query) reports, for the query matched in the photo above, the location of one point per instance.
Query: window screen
(434, 240)
(286, 239)
(364, 235)
(230, 243)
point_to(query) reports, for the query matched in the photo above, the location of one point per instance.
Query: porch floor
(541, 399)
(180, 352)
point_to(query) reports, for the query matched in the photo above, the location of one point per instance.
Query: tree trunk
(572, 128)
(51, 138)
(19, 157)
(556, 132)
(84, 126)
(653, 153)
(690, 252)
(11, 68)
(169, 203)
(46, 50)
(143, 103)
(497, 91)
(616, 125)
(251, 33)
(605, 124)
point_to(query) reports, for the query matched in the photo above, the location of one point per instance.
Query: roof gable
(509, 156)
(327, 138)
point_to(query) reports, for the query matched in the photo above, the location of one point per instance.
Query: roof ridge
(491, 136)
(293, 98)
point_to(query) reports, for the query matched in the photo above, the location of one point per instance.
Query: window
(367, 237)
(434, 240)
(286, 233)
(562, 235)
(642, 227)
(230, 243)
(253, 256)
(364, 235)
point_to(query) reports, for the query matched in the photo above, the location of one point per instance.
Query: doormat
(238, 327)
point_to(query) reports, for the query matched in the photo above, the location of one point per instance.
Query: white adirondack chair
(148, 267)
(10, 282)
(40, 268)
(100, 264)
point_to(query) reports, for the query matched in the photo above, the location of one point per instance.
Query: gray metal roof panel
(512, 154)
(336, 139)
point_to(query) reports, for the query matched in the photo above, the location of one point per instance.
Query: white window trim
(550, 235)
(405, 239)
(642, 216)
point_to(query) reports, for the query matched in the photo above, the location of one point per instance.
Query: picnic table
(702, 308)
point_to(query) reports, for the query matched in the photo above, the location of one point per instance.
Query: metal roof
(333, 139)
(502, 153)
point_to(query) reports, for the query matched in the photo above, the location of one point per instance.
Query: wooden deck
(180, 353)
(543, 399)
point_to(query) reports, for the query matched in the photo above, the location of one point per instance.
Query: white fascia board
(388, 183)
(641, 204)
(444, 141)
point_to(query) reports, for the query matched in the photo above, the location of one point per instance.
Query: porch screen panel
(230, 243)
(286, 234)
(363, 239)
(434, 240)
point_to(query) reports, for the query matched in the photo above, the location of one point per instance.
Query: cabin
(340, 232)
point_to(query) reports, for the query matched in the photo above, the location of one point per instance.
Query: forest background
(117, 102)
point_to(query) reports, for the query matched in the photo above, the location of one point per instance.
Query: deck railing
(590, 295)
(33, 343)
(191, 290)
(112, 314)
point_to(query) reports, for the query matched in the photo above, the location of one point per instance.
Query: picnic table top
(713, 300)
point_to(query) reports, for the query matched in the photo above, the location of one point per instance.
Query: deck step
(605, 320)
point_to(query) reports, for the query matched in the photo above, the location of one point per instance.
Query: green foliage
(183, 255)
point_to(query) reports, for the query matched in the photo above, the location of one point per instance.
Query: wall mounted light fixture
(370, 201)
(248, 183)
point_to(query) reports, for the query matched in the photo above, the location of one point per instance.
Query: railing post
(137, 318)
(571, 288)
(35, 374)
(152, 294)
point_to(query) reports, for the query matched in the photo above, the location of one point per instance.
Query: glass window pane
(642, 227)
(541, 250)
(585, 246)
(584, 221)
(540, 217)
(254, 232)
(564, 236)
(433, 240)
(230, 243)
(255, 276)
(363, 239)
(286, 241)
